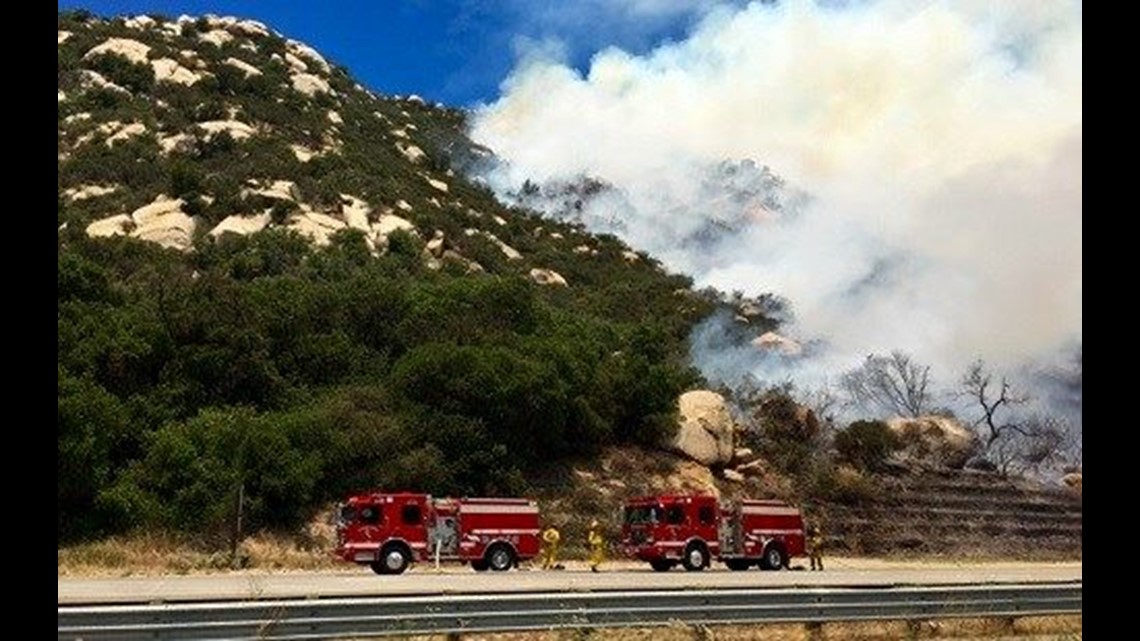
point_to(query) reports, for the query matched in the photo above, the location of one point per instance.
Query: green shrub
(185, 180)
(866, 444)
(784, 433)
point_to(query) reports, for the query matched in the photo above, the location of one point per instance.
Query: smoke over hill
(907, 175)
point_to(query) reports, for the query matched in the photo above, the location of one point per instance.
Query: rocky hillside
(175, 130)
(923, 504)
(274, 283)
(959, 514)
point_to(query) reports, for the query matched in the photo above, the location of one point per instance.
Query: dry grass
(596, 490)
(570, 496)
(1053, 628)
(156, 554)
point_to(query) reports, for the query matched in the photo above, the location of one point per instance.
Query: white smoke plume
(938, 145)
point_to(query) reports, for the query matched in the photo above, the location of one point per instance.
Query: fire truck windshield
(637, 515)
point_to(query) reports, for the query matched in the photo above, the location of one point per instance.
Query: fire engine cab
(692, 530)
(390, 531)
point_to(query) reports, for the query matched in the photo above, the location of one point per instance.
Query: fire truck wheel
(479, 565)
(696, 557)
(500, 558)
(661, 565)
(774, 558)
(394, 559)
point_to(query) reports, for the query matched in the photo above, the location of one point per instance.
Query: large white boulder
(937, 440)
(389, 223)
(773, 342)
(216, 37)
(83, 192)
(235, 128)
(305, 51)
(173, 230)
(167, 70)
(310, 84)
(243, 66)
(707, 431)
(164, 222)
(355, 212)
(125, 132)
(317, 226)
(547, 277)
(413, 153)
(243, 225)
(132, 50)
(275, 189)
(117, 225)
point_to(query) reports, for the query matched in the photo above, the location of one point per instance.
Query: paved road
(458, 579)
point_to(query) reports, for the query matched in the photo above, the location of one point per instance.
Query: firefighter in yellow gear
(597, 544)
(550, 540)
(815, 547)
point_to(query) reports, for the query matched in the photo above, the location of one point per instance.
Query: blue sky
(452, 51)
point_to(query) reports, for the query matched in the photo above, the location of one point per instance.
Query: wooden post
(237, 525)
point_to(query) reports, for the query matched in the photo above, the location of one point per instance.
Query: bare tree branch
(978, 384)
(889, 385)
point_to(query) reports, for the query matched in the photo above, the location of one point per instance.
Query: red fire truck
(693, 529)
(390, 531)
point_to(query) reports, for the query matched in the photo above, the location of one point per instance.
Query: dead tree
(1014, 440)
(993, 400)
(892, 385)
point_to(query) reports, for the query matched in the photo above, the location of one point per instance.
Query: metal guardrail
(297, 619)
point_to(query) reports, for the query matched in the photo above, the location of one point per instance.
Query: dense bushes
(783, 432)
(298, 374)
